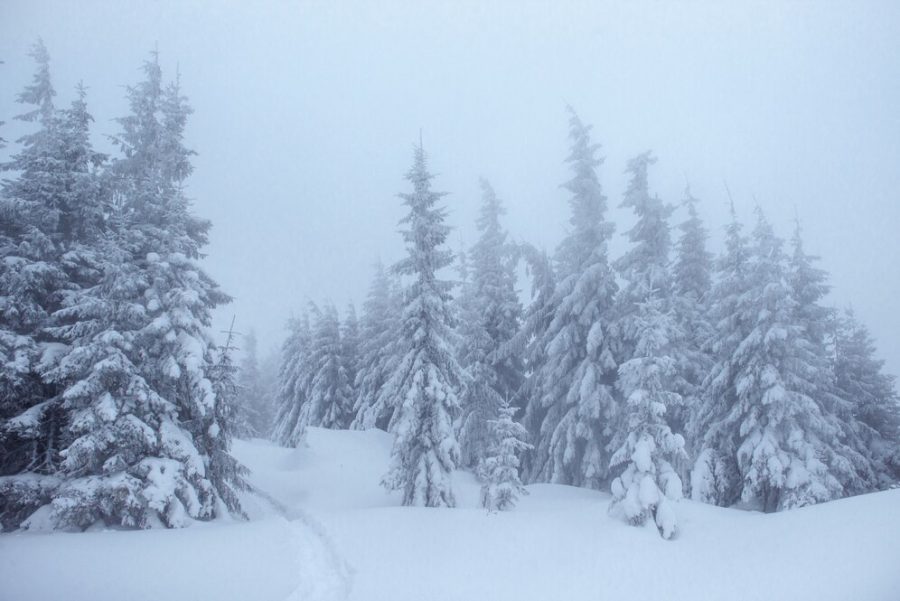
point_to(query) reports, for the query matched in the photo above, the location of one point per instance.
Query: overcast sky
(306, 115)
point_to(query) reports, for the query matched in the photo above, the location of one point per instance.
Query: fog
(306, 115)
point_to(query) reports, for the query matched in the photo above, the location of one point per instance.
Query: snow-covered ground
(329, 531)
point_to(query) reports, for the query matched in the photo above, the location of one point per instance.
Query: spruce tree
(350, 351)
(648, 335)
(572, 398)
(808, 285)
(329, 402)
(254, 400)
(859, 378)
(714, 477)
(691, 285)
(379, 338)
(427, 379)
(769, 440)
(294, 377)
(536, 320)
(148, 440)
(228, 475)
(491, 319)
(51, 224)
(31, 277)
(499, 470)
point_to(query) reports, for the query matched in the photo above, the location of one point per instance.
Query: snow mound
(325, 530)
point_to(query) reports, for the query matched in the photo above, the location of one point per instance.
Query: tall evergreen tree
(536, 320)
(648, 334)
(713, 477)
(808, 285)
(253, 398)
(350, 356)
(427, 380)
(492, 318)
(691, 285)
(329, 402)
(648, 446)
(147, 441)
(30, 277)
(228, 476)
(859, 378)
(379, 338)
(572, 398)
(294, 377)
(645, 267)
(51, 223)
(769, 440)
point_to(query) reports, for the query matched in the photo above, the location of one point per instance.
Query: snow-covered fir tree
(253, 399)
(499, 470)
(51, 224)
(490, 319)
(350, 358)
(536, 319)
(691, 284)
(808, 285)
(859, 378)
(649, 482)
(230, 477)
(294, 375)
(269, 366)
(427, 381)
(227, 379)
(768, 437)
(714, 475)
(647, 337)
(572, 404)
(329, 400)
(379, 337)
(146, 444)
(645, 267)
(30, 278)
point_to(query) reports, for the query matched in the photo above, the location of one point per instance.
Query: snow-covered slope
(329, 531)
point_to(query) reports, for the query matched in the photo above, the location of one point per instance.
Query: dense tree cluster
(662, 373)
(115, 405)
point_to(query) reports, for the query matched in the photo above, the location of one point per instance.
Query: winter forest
(498, 380)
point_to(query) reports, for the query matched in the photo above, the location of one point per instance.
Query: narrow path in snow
(332, 585)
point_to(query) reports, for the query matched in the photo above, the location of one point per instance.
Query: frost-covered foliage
(166, 460)
(50, 220)
(538, 316)
(649, 482)
(499, 470)
(226, 474)
(255, 403)
(379, 336)
(808, 285)
(225, 383)
(872, 397)
(427, 381)
(490, 316)
(645, 267)
(571, 406)
(132, 423)
(294, 377)
(329, 398)
(350, 352)
(691, 284)
(769, 439)
(647, 340)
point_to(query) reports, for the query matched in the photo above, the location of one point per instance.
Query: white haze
(306, 114)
